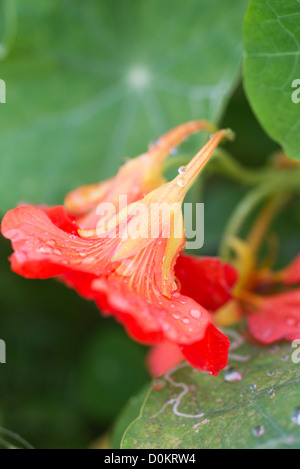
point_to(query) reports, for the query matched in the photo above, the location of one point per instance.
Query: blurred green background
(87, 84)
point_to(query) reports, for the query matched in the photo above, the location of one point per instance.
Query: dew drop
(258, 431)
(181, 182)
(271, 393)
(274, 349)
(158, 384)
(290, 321)
(44, 250)
(182, 169)
(211, 136)
(176, 316)
(296, 416)
(89, 260)
(231, 375)
(195, 313)
(51, 242)
(185, 320)
(176, 294)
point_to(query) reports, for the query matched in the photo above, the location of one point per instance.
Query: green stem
(281, 182)
(223, 163)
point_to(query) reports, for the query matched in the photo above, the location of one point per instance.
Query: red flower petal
(134, 276)
(44, 250)
(162, 357)
(209, 354)
(179, 321)
(205, 279)
(278, 318)
(62, 219)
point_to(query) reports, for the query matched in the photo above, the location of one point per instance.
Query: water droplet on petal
(44, 250)
(176, 316)
(51, 242)
(176, 294)
(195, 313)
(296, 416)
(182, 169)
(181, 182)
(290, 321)
(185, 320)
(231, 375)
(211, 136)
(258, 431)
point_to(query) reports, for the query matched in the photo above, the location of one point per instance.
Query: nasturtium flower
(136, 178)
(276, 316)
(130, 273)
(270, 300)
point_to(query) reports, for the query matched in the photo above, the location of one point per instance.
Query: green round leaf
(253, 404)
(272, 69)
(91, 82)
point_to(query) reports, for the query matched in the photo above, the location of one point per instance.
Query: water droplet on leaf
(258, 431)
(231, 375)
(296, 416)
